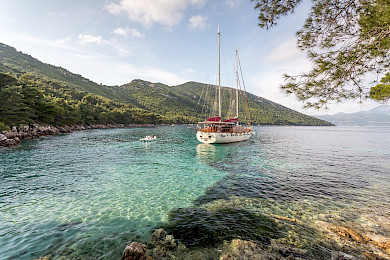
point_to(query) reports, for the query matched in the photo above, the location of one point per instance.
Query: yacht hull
(222, 138)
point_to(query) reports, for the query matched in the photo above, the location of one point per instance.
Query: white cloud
(197, 22)
(135, 33)
(125, 31)
(233, 3)
(285, 51)
(121, 31)
(85, 39)
(148, 12)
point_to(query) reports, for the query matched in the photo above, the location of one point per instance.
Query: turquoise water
(88, 193)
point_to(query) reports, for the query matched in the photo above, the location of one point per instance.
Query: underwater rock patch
(134, 251)
(197, 227)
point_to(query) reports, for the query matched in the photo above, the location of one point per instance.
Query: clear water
(88, 193)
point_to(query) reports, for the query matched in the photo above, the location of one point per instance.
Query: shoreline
(14, 136)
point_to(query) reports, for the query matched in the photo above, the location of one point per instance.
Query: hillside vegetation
(35, 92)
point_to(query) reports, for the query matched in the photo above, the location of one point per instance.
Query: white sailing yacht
(217, 131)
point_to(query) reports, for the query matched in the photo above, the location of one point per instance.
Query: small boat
(214, 130)
(148, 138)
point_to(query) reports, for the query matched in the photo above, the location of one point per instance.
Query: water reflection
(205, 153)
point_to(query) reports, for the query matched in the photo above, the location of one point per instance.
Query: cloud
(85, 39)
(147, 12)
(121, 31)
(197, 22)
(285, 51)
(125, 31)
(233, 3)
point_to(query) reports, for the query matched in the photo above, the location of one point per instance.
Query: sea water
(88, 193)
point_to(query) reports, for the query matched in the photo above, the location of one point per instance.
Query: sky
(169, 41)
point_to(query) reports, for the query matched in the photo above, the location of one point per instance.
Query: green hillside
(35, 92)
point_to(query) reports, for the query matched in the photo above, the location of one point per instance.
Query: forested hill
(35, 92)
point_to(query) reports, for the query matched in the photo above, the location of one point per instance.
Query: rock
(291, 252)
(383, 245)
(241, 249)
(2, 138)
(342, 256)
(349, 233)
(181, 248)
(163, 244)
(372, 256)
(284, 218)
(24, 128)
(158, 236)
(134, 251)
(10, 142)
(226, 257)
(169, 242)
(10, 134)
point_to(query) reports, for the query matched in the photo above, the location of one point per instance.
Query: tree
(347, 42)
(381, 92)
(6, 80)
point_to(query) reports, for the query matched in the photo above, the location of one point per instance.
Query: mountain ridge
(378, 116)
(142, 99)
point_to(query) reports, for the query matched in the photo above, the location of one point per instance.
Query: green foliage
(271, 11)
(262, 111)
(40, 94)
(6, 80)
(381, 92)
(345, 40)
(4, 126)
(45, 101)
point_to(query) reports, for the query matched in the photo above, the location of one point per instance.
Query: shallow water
(88, 193)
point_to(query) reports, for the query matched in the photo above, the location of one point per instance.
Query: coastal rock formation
(12, 137)
(242, 249)
(134, 251)
(354, 236)
(161, 244)
(5, 141)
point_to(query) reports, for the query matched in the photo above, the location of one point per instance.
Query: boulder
(2, 138)
(134, 251)
(10, 142)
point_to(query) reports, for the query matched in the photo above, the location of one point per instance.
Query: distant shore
(16, 134)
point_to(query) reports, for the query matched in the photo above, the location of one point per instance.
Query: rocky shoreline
(16, 134)
(165, 246)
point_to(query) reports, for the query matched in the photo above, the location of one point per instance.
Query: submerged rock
(349, 233)
(162, 244)
(241, 249)
(342, 256)
(134, 251)
(372, 256)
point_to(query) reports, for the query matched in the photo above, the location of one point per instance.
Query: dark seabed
(87, 194)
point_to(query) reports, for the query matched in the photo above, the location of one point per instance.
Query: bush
(3, 126)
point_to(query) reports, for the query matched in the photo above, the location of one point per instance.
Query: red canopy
(231, 120)
(214, 119)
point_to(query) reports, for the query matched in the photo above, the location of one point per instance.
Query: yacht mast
(237, 84)
(219, 74)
